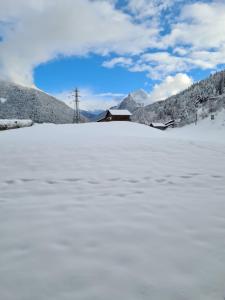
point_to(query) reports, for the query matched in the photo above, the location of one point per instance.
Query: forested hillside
(203, 98)
(18, 102)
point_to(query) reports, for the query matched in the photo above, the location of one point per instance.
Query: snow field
(106, 211)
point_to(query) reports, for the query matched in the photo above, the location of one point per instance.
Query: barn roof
(120, 112)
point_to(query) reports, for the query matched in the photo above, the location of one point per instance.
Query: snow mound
(14, 123)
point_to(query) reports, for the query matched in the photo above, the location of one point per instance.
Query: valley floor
(111, 211)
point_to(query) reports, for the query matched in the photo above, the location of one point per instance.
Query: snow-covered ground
(111, 211)
(205, 130)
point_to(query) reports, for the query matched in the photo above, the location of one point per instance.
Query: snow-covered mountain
(18, 102)
(134, 101)
(92, 116)
(202, 99)
(141, 97)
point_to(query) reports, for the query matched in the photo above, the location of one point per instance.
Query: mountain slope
(134, 101)
(129, 103)
(141, 97)
(20, 102)
(205, 97)
(92, 116)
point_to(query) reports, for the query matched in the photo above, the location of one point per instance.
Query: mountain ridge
(20, 102)
(134, 100)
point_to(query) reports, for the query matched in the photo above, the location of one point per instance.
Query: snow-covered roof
(120, 112)
(158, 124)
(3, 100)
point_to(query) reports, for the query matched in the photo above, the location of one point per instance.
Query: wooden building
(163, 126)
(160, 126)
(116, 115)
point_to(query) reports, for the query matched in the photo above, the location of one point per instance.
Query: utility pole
(196, 109)
(76, 115)
(222, 83)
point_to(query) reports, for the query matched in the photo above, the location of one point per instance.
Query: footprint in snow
(10, 182)
(72, 179)
(186, 176)
(93, 182)
(216, 176)
(51, 182)
(27, 180)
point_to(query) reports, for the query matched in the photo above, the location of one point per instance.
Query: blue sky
(87, 72)
(109, 48)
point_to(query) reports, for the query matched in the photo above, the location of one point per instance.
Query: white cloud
(148, 8)
(158, 65)
(37, 31)
(90, 100)
(200, 25)
(41, 30)
(118, 61)
(180, 51)
(197, 38)
(170, 86)
(199, 35)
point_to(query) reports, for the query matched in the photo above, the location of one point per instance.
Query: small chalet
(163, 126)
(116, 115)
(160, 126)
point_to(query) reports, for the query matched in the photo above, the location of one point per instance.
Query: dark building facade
(116, 115)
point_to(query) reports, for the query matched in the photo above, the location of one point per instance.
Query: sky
(109, 48)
